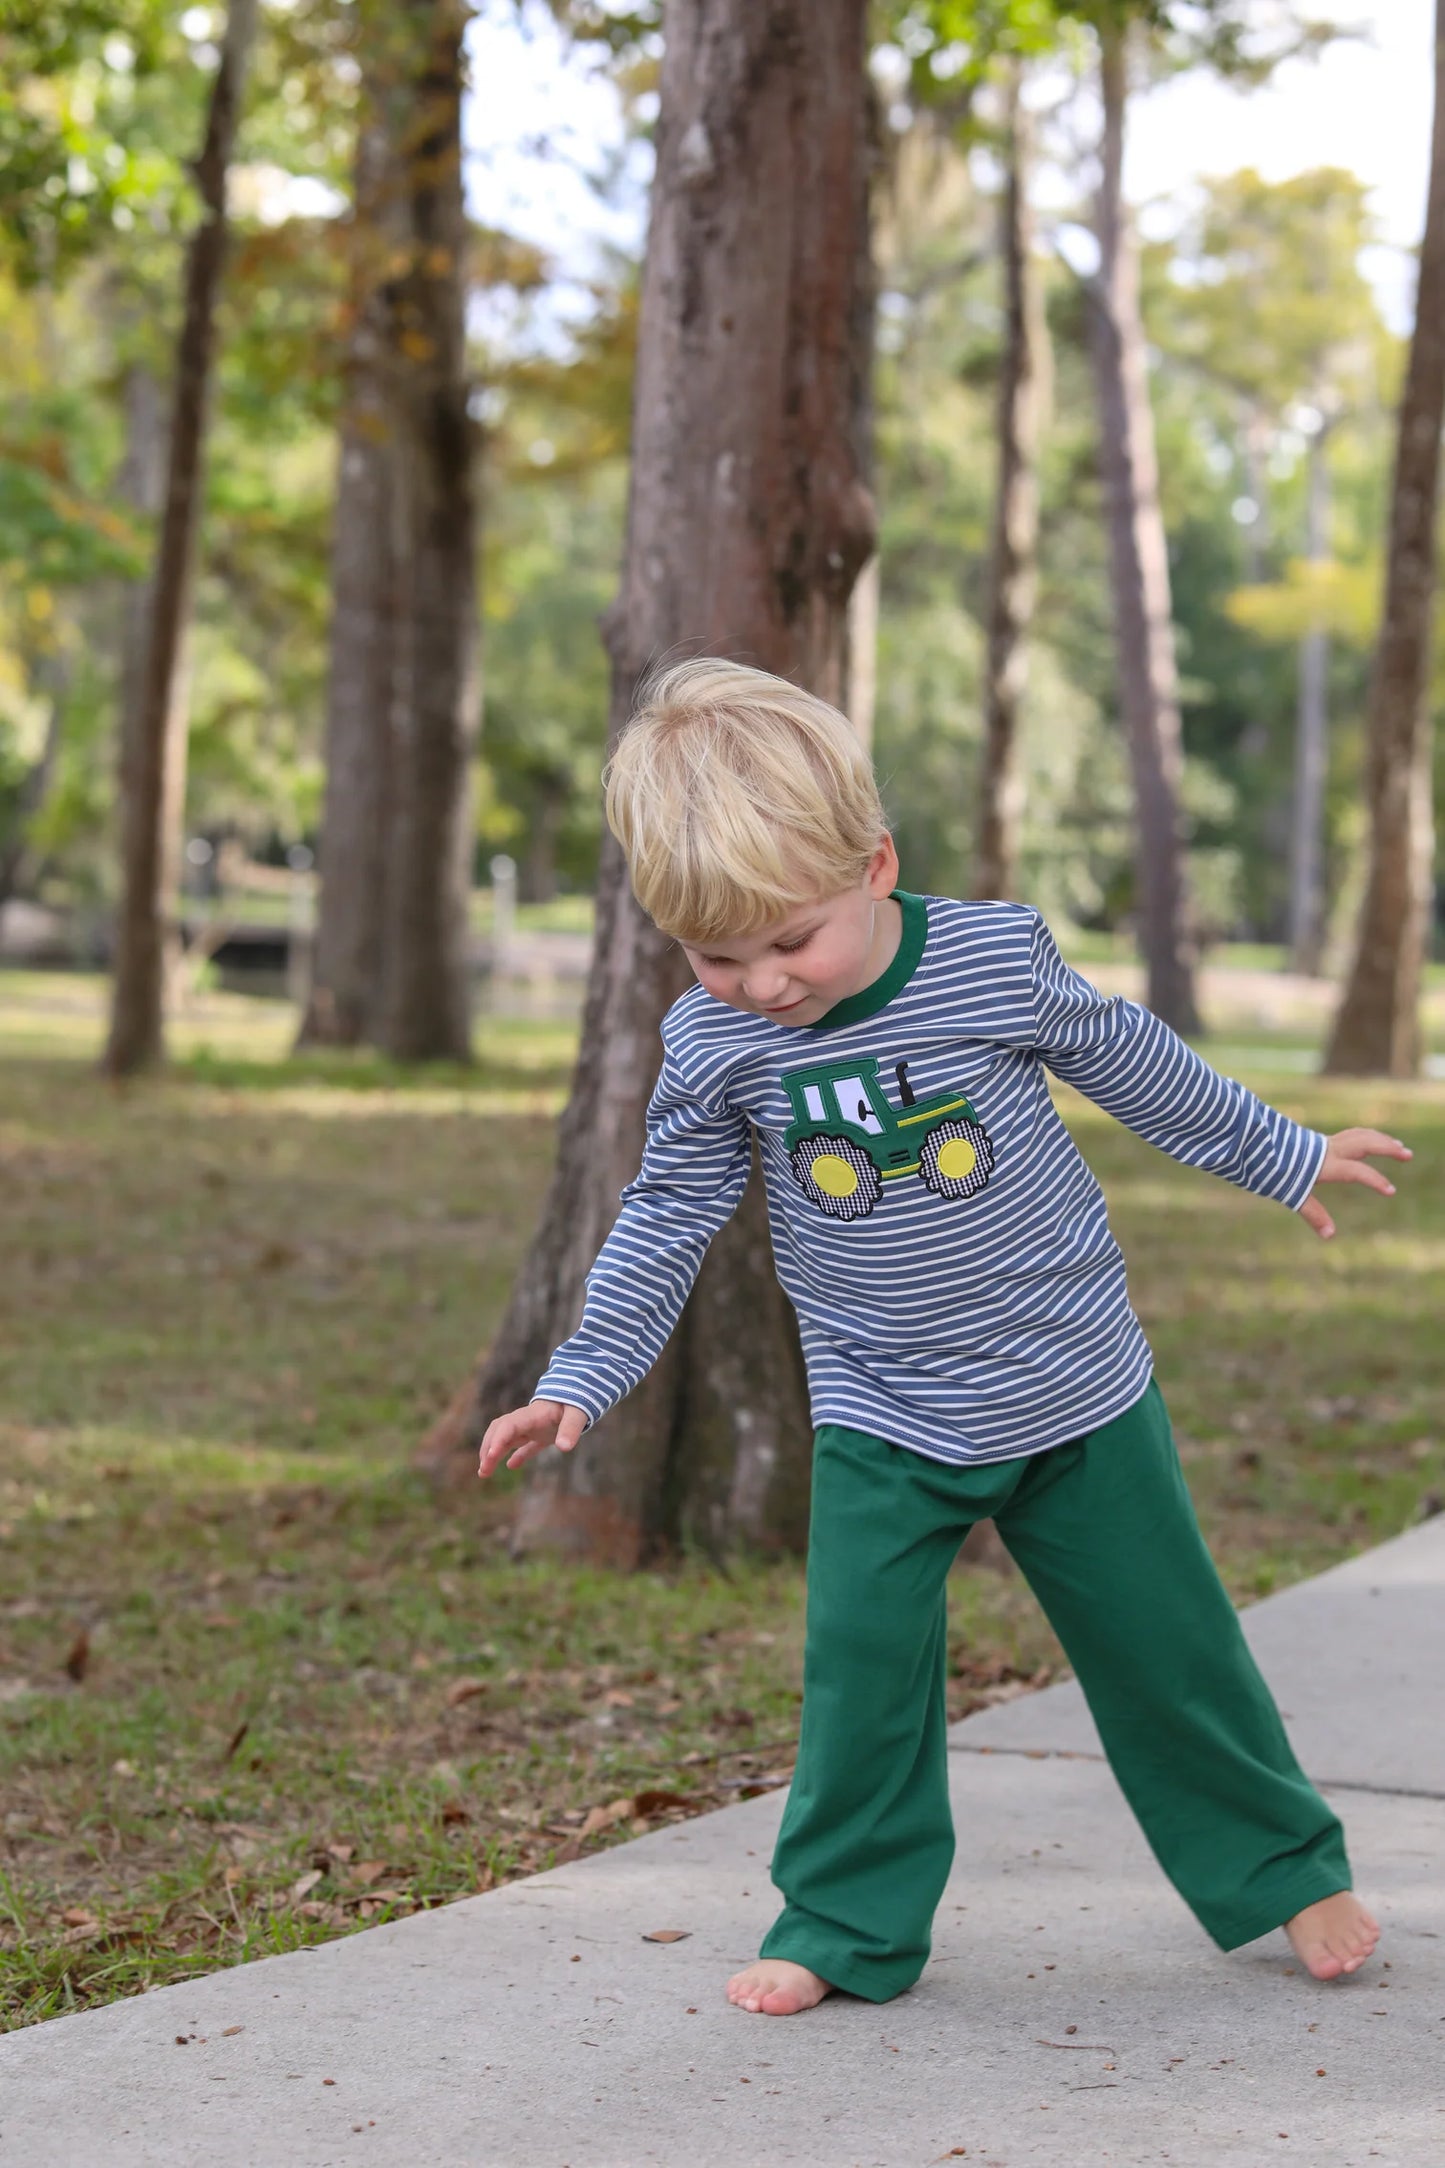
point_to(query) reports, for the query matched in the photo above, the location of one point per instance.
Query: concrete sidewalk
(1073, 2013)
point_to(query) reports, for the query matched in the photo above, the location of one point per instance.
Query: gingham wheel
(956, 1159)
(840, 1178)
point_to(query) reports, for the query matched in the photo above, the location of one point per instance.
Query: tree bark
(425, 1007)
(153, 752)
(1139, 569)
(1311, 746)
(362, 678)
(1013, 561)
(749, 520)
(1377, 1028)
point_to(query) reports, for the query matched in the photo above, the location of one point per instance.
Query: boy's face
(798, 969)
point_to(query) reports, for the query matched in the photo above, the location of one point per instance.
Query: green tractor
(846, 1139)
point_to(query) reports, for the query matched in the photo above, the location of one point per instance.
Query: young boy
(970, 1345)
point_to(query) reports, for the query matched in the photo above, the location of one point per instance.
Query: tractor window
(813, 1101)
(855, 1106)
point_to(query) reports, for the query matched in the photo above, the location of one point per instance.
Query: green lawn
(258, 1685)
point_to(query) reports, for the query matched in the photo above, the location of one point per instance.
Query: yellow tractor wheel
(839, 1177)
(956, 1159)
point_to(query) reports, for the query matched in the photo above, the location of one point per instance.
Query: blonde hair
(737, 797)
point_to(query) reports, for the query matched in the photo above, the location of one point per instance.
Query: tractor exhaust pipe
(905, 1089)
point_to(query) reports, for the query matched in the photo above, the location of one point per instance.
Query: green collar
(895, 978)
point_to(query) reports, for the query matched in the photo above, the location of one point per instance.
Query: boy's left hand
(1347, 1156)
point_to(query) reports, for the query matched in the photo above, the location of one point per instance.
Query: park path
(1073, 2014)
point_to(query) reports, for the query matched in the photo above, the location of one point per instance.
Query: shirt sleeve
(1130, 1063)
(695, 1167)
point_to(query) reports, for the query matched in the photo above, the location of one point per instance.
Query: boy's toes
(1334, 1937)
(774, 1987)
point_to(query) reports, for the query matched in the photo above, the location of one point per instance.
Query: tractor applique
(846, 1139)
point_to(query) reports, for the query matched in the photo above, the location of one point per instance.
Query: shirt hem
(1112, 1410)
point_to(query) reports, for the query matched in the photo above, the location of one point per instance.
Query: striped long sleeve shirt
(958, 1287)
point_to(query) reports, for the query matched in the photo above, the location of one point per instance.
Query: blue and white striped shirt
(958, 1287)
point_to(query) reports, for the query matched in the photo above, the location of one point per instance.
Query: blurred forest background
(1274, 381)
(337, 528)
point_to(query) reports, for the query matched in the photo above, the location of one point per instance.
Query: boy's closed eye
(783, 948)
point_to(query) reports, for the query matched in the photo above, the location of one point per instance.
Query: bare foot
(776, 1987)
(1334, 1936)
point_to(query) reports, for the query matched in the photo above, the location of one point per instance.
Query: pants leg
(867, 1835)
(1105, 1531)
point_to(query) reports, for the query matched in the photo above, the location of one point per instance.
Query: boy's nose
(767, 991)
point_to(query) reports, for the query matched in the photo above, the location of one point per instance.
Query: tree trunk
(1377, 1028)
(361, 687)
(153, 752)
(1139, 568)
(749, 520)
(425, 1008)
(51, 679)
(1013, 563)
(1311, 745)
(551, 794)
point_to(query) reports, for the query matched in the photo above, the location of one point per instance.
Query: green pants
(1104, 1530)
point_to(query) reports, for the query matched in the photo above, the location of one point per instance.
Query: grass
(259, 1687)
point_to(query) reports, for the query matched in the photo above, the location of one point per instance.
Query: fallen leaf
(647, 1803)
(462, 1690)
(617, 1810)
(368, 1870)
(566, 1853)
(229, 2032)
(219, 1621)
(454, 1811)
(668, 1934)
(236, 1737)
(305, 1883)
(343, 1852)
(78, 1916)
(77, 1662)
(616, 1699)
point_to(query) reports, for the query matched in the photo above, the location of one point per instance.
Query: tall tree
(749, 519)
(1376, 1030)
(154, 736)
(403, 696)
(1139, 565)
(425, 1012)
(343, 1005)
(1270, 304)
(1311, 742)
(1013, 557)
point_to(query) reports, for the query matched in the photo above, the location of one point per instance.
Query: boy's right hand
(528, 1431)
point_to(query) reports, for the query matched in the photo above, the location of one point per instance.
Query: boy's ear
(882, 877)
